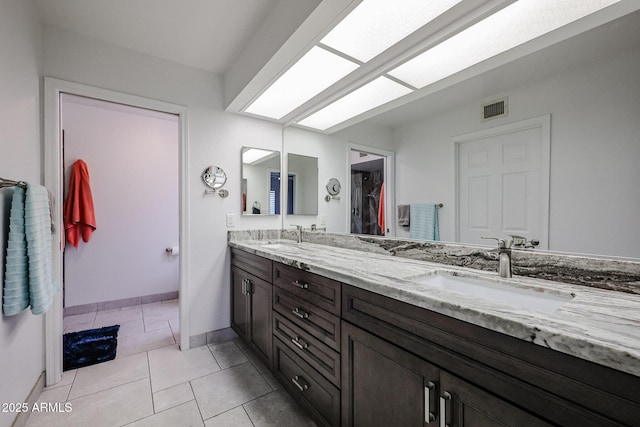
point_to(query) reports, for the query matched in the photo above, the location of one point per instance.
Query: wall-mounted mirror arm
(333, 189)
(223, 192)
(215, 177)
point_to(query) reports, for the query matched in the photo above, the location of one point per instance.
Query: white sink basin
(525, 298)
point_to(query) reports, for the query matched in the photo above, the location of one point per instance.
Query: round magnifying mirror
(214, 177)
(333, 187)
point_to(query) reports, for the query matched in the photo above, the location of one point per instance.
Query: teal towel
(29, 272)
(15, 295)
(423, 222)
(37, 224)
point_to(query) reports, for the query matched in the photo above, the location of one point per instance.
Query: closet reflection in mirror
(260, 181)
(302, 185)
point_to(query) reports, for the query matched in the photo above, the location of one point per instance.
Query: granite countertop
(598, 325)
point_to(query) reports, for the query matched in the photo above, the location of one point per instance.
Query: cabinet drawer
(309, 388)
(317, 322)
(254, 264)
(315, 353)
(318, 290)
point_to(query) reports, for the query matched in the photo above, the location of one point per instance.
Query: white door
(503, 182)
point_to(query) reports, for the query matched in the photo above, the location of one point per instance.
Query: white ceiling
(205, 34)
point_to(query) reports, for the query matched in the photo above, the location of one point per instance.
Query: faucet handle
(502, 243)
(298, 227)
(518, 241)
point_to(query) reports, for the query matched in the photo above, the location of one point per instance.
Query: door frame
(543, 122)
(389, 186)
(54, 182)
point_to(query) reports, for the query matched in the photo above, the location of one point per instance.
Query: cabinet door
(260, 317)
(383, 385)
(239, 301)
(462, 404)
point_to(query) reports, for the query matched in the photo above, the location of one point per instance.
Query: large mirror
(302, 185)
(589, 87)
(260, 181)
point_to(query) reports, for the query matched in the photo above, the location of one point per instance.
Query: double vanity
(361, 333)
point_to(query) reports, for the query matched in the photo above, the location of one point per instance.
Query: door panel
(503, 184)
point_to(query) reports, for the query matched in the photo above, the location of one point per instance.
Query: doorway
(370, 182)
(131, 155)
(53, 89)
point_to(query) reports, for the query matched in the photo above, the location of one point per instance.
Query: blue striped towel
(423, 222)
(29, 273)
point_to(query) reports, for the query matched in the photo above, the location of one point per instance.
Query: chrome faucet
(299, 231)
(504, 256)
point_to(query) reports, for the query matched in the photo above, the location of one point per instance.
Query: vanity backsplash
(603, 273)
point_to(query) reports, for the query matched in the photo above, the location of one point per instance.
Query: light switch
(231, 220)
(323, 219)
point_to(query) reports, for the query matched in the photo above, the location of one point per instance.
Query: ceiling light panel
(314, 72)
(512, 26)
(375, 25)
(373, 94)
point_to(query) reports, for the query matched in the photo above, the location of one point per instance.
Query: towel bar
(11, 183)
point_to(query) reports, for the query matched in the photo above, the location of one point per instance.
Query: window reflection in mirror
(260, 181)
(302, 185)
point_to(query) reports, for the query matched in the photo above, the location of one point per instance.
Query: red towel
(79, 216)
(381, 210)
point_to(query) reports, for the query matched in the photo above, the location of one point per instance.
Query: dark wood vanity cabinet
(386, 385)
(485, 378)
(352, 357)
(251, 302)
(306, 328)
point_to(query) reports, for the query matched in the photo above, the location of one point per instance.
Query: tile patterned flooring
(152, 383)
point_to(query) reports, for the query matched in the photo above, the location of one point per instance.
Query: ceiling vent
(495, 109)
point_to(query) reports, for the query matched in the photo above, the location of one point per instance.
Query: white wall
(214, 137)
(21, 336)
(595, 146)
(331, 151)
(132, 157)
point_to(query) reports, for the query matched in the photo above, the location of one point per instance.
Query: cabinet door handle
(300, 314)
(428, 415)
(300, 345)
(301, 285)
(296, 381)
(248, 286)
(446, 397)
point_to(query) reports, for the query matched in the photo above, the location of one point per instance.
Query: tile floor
(152, 383)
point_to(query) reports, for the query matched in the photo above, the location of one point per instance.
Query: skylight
(376, 25)
(373, 94)
(254, 155)
(315, 71)
(514, 25)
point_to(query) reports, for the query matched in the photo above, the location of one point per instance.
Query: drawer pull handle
(300, 345)
(301, 285)
(429, 416)
(300, 314)
(444, 399)
(296, 381)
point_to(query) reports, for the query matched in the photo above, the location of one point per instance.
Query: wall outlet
(231, 220)
(323, 219)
